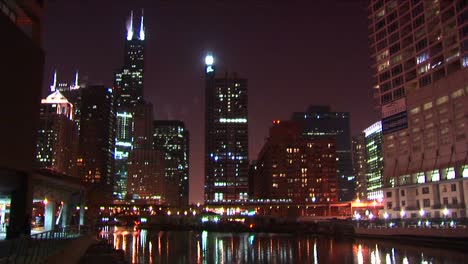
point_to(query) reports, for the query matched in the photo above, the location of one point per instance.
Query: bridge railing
(37, 247)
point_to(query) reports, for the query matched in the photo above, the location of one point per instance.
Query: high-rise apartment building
(420, 51)
(172, 138)
(96, 139)
(320, 121)
(295, 167)
(57, 136)
(146, 179)
(359, 165)
(128, 83)
(226, 136)
(72, 93)
(374, 161)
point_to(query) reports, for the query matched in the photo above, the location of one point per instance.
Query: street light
(445, 212)
(402, 214)
(421, 213)
(385, 216)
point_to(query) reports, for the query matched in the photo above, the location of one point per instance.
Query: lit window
(450, 173)
(465, 171)
(424, 68)
(457, 93)
(415, 110)
(421, 178)
(465, 61)
(442, 100)
(435, 176)
(422, 57)
(427, 105)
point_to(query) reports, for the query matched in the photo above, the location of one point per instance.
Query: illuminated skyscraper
(57, 137)
(420, 54)
(128, 84)
(374, 161)
(172, 138)
(226, 136)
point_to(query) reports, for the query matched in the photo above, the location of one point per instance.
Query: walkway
(73, 251)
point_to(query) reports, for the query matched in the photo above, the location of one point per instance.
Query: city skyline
(175, 55)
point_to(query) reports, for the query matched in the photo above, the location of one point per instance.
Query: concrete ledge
(73, 251)
(417, 232)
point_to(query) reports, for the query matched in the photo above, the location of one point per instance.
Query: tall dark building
(128, 83)
(295, 167)
(22, 64)
(145, 164)
(420, 55)
(360, 165)
(319, 121)
(172, 138)
(96, 139)
(226, 136)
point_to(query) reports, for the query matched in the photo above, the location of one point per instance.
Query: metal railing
(37, 247)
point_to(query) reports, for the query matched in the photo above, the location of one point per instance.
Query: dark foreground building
(420, 55)
(22, 62)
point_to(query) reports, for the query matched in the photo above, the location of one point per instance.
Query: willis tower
(128, 84)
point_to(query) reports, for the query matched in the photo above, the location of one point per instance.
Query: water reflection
(211, 247)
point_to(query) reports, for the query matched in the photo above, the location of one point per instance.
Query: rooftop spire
(54, 84)
(130, 27)
(142, 29)
(76, 86)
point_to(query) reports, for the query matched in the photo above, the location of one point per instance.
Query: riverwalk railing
(37, 247)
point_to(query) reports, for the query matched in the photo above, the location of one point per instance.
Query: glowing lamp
(209, 60)
(445, 211)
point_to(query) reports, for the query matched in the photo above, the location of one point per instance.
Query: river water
(214, 247)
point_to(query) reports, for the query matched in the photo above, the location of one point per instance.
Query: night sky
(294, 53)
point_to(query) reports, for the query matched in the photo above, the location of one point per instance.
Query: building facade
(374, 161)
(359, 165)
(226, 136)
(420, 50)
(57, 136)
(320, 121)
(172, 138)
(96, 140)
(22, 65)
(293, 167)
(128, 83)
(146, 168)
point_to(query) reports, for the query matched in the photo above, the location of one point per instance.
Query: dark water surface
(213, 247)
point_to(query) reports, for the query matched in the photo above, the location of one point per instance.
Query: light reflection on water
(212, 247)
